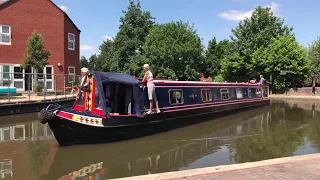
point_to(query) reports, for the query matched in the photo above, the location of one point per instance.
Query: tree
(283, 53)
(134, 28)
(215, 53)
(94, 63)
(250, 35)
(106, 54)
(36, 57)
(314, 54)
(84, 62)
(175, 50)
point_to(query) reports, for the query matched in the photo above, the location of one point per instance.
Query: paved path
(274, 96)
(36, 98)
(297, 167)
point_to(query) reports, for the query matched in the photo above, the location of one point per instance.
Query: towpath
(288, 168)
(19, 99)
(276, 96)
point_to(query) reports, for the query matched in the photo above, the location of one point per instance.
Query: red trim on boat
(205, 83)
(123, 115)
(194, 86)
(212, 102)
(214, 105)
(64, 114)
(78, 108)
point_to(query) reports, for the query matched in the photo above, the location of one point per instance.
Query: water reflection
(285, 128)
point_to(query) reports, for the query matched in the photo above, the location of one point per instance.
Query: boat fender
(47, 114)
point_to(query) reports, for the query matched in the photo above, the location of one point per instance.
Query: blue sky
(99, 19)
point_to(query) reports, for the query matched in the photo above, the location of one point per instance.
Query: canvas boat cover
(122, 78)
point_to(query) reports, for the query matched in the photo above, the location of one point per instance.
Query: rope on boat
(47, 114)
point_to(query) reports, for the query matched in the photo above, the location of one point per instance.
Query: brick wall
(25, 16)
(72, 58)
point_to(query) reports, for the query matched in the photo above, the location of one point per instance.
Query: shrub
(36, 87)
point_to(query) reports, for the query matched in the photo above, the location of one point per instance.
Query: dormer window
(71, 41)
(5, 34)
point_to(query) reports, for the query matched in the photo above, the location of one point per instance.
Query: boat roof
(203, 83)
(124, 78)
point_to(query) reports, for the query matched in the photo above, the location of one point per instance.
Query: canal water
(29, 151)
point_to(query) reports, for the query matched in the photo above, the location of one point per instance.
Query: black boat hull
(68, 132)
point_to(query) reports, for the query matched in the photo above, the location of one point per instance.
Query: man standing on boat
(83, 74)
(262, 80)
(148, 78)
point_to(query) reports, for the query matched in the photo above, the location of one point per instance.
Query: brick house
(18, 19)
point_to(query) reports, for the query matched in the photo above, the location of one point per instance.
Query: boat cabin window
(249, 92)
(258, 92)
(175, 96)
(224, 93)
(97, 102)
(206, 95)
(239, 93)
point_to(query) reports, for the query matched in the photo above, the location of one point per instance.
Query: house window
(49, 78)
(175, 96)
(239, 93)
(206, 95)
(224, 93)
(72, 73)
(71, 41)
(5, 71)
(5, 34)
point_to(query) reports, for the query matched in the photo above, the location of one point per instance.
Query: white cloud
(106, 37)
(235, 15)
(63, 8)
(86, 48)
(274, 8)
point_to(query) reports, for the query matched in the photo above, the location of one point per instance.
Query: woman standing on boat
(148, 78)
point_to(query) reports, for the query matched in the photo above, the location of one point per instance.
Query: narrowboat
(177, 150)
(112, 106)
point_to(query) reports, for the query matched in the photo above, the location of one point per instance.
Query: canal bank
(34, 105)
(277, 96)
(296, 167)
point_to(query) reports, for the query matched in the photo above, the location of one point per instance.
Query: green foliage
(282, 53)
(252, 34)
(94, 63)
(175, 50)
(84, 62)
(261, 44)
(134, 28)
(36, 56)
(314, 54)
(106, 54)
(218, 78)
(215, 53)
(36, 87)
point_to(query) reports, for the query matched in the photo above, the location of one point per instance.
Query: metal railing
(21, 87)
